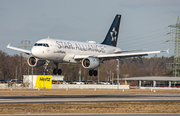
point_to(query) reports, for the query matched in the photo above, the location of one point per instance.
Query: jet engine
(35, 62)
(90, 63)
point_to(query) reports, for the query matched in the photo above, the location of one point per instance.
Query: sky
(144, 23)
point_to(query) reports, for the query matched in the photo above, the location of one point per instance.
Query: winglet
(8, 45)
(165, 51)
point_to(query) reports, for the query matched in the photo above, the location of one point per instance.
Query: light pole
(118, 73)
(16, 76)
(32, 77)
(80, 73)
(110, 78)
(98, 75)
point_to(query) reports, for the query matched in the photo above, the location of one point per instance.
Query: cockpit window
(41, 44)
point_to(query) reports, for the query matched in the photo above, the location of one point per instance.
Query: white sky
(144, 23)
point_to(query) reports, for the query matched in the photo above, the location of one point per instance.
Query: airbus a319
(89, 54)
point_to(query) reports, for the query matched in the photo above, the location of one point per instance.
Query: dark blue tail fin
(112, 35)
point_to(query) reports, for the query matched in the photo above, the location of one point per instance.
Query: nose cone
(35, 51)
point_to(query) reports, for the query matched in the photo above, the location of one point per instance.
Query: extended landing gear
(56, 70)
(93, 72)
(45, 69)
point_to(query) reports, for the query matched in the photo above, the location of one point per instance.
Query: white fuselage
(63, 50)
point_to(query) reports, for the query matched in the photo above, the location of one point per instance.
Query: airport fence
(66, 86)
(75, 86)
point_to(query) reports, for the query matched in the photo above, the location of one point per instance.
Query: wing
(115, 56)
(121, 51)
(19, 49)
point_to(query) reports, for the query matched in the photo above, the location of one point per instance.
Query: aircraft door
(48, 47)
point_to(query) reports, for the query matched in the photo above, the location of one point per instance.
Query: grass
(111, 107)
(9, 92)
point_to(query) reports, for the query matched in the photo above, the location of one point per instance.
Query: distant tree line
(128, 67)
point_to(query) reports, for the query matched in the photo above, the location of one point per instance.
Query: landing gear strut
(45, 69)
(93, 72)
(56, 70)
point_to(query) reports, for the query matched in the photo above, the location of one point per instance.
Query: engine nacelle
(90, 63)
(35, 62)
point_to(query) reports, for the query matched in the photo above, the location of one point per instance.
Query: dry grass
(9, 92)
(114, 107)
(120, 107)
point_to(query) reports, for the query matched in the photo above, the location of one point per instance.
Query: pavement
(89, 98)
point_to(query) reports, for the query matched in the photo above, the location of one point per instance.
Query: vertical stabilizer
(112, 35)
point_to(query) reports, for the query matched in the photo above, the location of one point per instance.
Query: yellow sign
(44, 81)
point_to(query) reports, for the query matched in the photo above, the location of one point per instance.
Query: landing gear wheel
(55, 71)
(95, 72)
(59, 71)
(45, 71)
(90, 72)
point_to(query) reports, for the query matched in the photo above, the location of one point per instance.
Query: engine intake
(90, 63)
(35, 62)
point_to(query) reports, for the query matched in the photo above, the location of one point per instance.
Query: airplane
(90, 54)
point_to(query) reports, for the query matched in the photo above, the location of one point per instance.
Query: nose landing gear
(45, 69)
(55, 71)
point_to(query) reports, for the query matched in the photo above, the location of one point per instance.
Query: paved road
(88, 98)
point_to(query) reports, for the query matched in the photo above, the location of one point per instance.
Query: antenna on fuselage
(48, 37)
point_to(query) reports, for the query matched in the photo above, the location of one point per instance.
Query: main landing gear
(56, 70)
(93, 72)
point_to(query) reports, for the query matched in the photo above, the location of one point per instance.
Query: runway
(88, 98)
